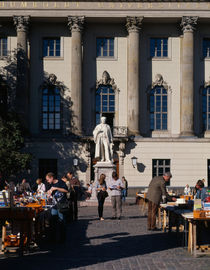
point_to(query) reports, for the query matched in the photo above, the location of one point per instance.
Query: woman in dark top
(101, 194)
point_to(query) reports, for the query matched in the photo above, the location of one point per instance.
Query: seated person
(187, 190)
(24, 186)
(201, 190)
(40, 186)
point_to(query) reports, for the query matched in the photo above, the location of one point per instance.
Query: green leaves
(12, 158)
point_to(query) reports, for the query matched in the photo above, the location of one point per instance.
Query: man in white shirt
(116, 186)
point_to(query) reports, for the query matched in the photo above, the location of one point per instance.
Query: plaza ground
(112, 245)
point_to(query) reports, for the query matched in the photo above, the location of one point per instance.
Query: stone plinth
(106, 168)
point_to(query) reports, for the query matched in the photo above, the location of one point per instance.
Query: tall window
(51, 47)
(206, 47)
(206, 108)
(158, 108)
(3, 47)
(158, 47)
(105, 104)
(160, 166)
(105, 47)
(51, 109)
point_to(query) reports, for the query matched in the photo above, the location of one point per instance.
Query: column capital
(133, 24)
(188, 23)
(21, 23)
(76, 23)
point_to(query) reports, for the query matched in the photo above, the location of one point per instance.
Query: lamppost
(134, 161)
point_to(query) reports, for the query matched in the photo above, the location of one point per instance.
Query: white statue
(104, 141)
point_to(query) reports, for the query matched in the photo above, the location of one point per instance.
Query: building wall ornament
(21, 23)
(188, 23)
(76, 23)
(133, 24)
(120, 131)
(107, 80)
(159, 81)
(50, 81)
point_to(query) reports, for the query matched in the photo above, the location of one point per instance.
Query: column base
(187, 134)
(133, 133)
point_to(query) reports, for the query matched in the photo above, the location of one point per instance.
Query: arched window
(158, 108)
(206, 107)
(51, 109)
(105, 104)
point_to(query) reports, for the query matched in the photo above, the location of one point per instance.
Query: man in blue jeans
(58, 192)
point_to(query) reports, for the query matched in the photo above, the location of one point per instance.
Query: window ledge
(206, 58)
(106, 58)
(207, 134)
(53, 58)
(160, 134)
(160, 58)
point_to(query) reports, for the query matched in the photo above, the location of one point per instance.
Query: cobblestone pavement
(111, 244)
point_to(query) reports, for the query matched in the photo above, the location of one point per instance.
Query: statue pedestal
(106, 168)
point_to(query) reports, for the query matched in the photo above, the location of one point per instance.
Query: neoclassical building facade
(145, 65)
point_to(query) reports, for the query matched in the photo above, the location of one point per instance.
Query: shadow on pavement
(79, 252)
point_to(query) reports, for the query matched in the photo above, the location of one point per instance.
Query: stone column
(22, 90)
(187, 85)
(76, 26)
(133, 26)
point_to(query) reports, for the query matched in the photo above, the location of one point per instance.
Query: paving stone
(111, 245)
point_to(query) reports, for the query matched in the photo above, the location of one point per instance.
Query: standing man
(75, 184)
(116, 186)
(58, 192)
(156, 193)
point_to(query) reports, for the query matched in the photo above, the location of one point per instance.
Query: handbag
(63, 207)
(102, 194)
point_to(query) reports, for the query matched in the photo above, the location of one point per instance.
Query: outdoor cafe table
(20, 215)
(194, 226)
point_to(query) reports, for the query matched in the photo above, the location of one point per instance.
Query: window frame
(7, 46)
(155, 168)
(206, 127)
(106, 58)
(61, 47)
(155, 112)
(108, 94)
(202, 48)
(156, 47)
(169, 37)
(53, 130)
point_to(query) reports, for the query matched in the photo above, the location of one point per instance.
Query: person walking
(125, 190)
(116, 186)
(157, 192)
(101, 194)
(75, 184)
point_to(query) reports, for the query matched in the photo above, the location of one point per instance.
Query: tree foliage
(13, 160)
